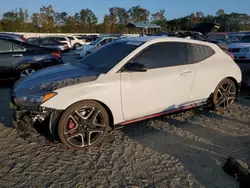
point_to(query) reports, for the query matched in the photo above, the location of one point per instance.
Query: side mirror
(134, 67)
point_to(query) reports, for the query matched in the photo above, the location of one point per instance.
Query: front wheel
(224, 95)
(82, 125)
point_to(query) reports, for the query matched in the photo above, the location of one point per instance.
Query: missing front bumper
(35, 124)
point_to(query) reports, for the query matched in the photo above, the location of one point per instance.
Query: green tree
(138, 14)
(47, 18)
(159, 19)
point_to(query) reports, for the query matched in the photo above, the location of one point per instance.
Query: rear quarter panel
(211, 71)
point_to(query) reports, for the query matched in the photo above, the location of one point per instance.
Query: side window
(36, 42)
(103, 42)
(198, 52)
(17, 48)
(47, 41)
(5, 47)
(164, 54)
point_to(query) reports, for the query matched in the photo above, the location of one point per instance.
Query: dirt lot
(182, 150)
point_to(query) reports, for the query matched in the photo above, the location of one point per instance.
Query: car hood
(52, 78)
(239, 45)
(203, 28)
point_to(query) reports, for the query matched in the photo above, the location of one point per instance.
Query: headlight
(245, 49)
(34, 100)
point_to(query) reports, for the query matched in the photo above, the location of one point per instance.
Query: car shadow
(200, 149)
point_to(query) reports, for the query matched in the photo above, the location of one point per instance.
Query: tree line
(48, 20)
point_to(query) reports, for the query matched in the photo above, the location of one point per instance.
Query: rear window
(198, 53)
(70, 38)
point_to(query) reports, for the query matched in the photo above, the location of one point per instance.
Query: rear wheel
(82, 125)
(26, 72)
(224, 95)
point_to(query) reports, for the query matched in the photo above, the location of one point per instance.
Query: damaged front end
(35, 123)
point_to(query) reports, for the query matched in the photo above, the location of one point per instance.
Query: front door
(164, 86)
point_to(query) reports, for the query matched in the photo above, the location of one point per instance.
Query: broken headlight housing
(34, 100)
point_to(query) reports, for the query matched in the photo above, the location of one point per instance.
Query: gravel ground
(183, 150)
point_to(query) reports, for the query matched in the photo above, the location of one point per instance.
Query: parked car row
(18, 58)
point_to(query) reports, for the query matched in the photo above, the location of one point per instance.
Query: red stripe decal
(159, 114)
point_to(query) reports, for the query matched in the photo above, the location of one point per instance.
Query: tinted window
(17, 48)
(164, 54)
(36, 42)
(59, 39)
(70, 38)
(5, 46)
(48, 42)
(102, 60)
(199, 52)
(245, 39)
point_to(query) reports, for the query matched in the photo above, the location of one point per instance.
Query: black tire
(76, 45)
(76, 130)
(22, 68)
(224, 95)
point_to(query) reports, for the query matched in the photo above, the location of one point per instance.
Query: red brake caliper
(71, 125)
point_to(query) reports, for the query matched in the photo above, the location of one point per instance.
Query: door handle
(17, 55)
(185, 73)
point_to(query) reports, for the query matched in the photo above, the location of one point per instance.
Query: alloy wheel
(84, 127)
(26, 72)
(225, 95)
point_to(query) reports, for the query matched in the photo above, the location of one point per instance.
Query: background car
(77, 41)
(50, 43)
(20, 59)
(31, 39)
(62, 39)
(241, 49)
(13, 36)
(129, 80)
(81, 51)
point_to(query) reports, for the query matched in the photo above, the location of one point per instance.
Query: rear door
(10, 55)
(165, 86)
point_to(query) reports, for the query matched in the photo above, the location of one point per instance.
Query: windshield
(96, 41)
(217, 37)
(102, 60)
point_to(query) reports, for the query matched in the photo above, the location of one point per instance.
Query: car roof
(155, 39)
(56, 36)
(10, 34)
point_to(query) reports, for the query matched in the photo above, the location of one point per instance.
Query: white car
(61, 38)
(77, 41)
(81, 51)
(128, 80)
(241, 49)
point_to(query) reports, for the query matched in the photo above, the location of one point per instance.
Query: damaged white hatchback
(126, 81)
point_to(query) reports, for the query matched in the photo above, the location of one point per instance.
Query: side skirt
(195, 105)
